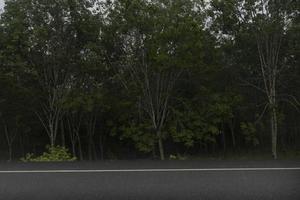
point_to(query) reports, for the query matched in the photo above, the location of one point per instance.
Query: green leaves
(250, 133)
(53, 154)
(186, 72)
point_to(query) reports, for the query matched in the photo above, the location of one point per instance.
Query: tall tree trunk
(10, 138)
(160, 146)
(74, 149)
(80, 148)
(10, 152)
(269, 44)
(274, 126)
(224, 141)
(154, 151)
(101, 144)
(94, 151)
(63, 141)
(90, 127)
(52, 141)
(231, 127)
(90, 149)
(22, 145)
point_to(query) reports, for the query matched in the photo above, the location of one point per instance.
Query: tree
(10, 136)
(52, 44)
(138, 78)
(271, 22)
(268, 21)
(154, 52)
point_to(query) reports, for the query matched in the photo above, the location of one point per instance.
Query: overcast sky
(1, 4)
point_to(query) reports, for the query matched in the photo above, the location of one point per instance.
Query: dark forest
(156, 79)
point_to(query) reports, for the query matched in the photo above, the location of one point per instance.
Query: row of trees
(135, 78)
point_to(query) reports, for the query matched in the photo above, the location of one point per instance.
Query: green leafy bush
(55, 154)
(250, 133)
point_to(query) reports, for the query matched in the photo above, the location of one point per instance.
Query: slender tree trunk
(269, 46)
(90, 127)
(94, 151)
(73, 123)
(274, 132)
(73, 149)
(154, 151)
(224, 141)
(80, 148)
(10, 152)
(9, 139)
(160, 146)
(101, 143)
(22, 145)
(273, 118)
(52, 141)
(231, 126)
(90, 149)
(63, 141)
(51, 136)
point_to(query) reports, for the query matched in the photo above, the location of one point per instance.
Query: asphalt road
(138, 180)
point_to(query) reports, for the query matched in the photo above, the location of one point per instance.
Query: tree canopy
(149, 78)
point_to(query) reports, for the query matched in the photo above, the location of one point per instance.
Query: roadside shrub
(177, 157)
(250, 133)
(52, 154)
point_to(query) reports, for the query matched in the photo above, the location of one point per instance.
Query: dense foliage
(149, 78)
(53, 154)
